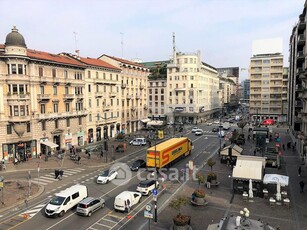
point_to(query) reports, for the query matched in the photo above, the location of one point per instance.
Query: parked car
(145, 187)
(138, 141)
(209, 123)
(89, 205)
(215, 129)
(136, 165)
(106, 176)
(199, 132)
(216, 122)
(194, 129)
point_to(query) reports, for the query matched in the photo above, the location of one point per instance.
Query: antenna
(76, 45)
(122, 43)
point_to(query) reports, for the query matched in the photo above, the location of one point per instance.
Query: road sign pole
(149, 223)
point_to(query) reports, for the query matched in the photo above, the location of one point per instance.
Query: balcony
(43, 80)
(53, 116)
(145, 107)
(106, 107)
(180, 89)
(68, 96)
(129, 96)
(104, 121)
(18, 97)
(16, 119)
(303, 74)
(301, 39)
(302, 95)
(300, 55)
(302, 22)
(112, 94)
(137, 97)
(68, 81)
(79, 96)
(142, 87)
(99, 94)
(123, 86)
(43, 97)
(133, 108)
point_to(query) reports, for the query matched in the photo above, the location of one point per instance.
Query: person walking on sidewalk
(299, 171)
(302, 184)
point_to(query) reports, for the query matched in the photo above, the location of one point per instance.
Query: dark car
(136, 165)
(215, 130)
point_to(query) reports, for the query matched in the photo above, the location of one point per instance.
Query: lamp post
(156, 175)
(220, 132)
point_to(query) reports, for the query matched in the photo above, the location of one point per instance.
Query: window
(40, 71)
(13, 69)
(97, 75)
(90, 117)
(66, 201)
(16, 111)
(65, 74)
(43, 125)
(42, 89)
(80, 120)
(67, 107)
(54, 73)
(56, 124)
(22, 110)
(43, 108)
(21, 89)
(90, 103)
(150, 91)
(89, 88)
(55, 90)
(162, 91)
(89, 74)
(68, 122)
(156, 91)
(74, 196)
(28, 127)
(20, 69)
(56, 107)
(162, 97)
(9, 129)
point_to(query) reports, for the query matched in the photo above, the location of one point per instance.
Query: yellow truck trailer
(168, 152)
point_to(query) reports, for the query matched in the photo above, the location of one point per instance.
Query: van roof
(71, 190)
(124, 194)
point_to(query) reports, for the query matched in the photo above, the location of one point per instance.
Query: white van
(138, 141)
(125, 200)
(65, 200)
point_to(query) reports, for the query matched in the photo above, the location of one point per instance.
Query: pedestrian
(89, 155)
(101, 153)
(255, 151)
(79, 158)
(283, 147)
(302, 184)
(193, 196)
(299, 171)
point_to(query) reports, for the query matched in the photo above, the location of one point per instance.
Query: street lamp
(156, 175)
(220, 132)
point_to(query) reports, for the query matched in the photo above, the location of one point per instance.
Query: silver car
(89, 205)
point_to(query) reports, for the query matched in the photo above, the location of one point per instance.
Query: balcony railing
(68, 96)
(112, 94)
(129, 96)
(43, 96)
(75, 113)
(106, 107)
(18, 96)
(19, 118)
(137, 96)
(300, 55)
(123, 86)
(301, 39)
(142, 86)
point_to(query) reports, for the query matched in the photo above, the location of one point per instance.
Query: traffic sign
(155, 192)
(148, 214)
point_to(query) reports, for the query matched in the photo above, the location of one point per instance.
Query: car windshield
(104, 173)
(57, 200)
(143, 185)
(136, 163)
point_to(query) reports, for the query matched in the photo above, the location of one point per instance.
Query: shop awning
(248, 168)
(50, 144)
(155, 123)
(145, 120)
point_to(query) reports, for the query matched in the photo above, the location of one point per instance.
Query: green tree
(211, 163)
(178, 203)
(200, 178)
(241, 125)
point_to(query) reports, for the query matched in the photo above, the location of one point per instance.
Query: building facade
(192, 89)
(297, 96)
(42, 102)
(133, 92)
(246, 89)
(266, 87)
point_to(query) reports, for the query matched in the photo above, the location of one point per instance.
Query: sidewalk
(222, 203)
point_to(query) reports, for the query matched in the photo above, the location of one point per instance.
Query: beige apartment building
(192, 89)
(133, 92)
(267, 89)
(55, 101)
(228, 89)
(43, 100)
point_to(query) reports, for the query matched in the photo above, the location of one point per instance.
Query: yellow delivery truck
(168, 152)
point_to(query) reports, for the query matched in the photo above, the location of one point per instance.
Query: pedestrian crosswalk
(49, 178)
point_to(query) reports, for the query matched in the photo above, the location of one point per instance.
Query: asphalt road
(107, 218)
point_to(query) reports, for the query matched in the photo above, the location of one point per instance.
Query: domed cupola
(15, 39)
(15, 43)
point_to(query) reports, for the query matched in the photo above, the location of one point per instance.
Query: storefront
(68, 140)
(22, 150)
(47, 146)
(80, 137)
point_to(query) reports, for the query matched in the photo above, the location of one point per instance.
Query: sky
(222, 30)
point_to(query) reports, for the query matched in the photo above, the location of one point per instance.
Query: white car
(194, 129)
(199, 132)
(145, 187)
(209, 123)
(106, 176)
(138, 141)
(216, 122)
